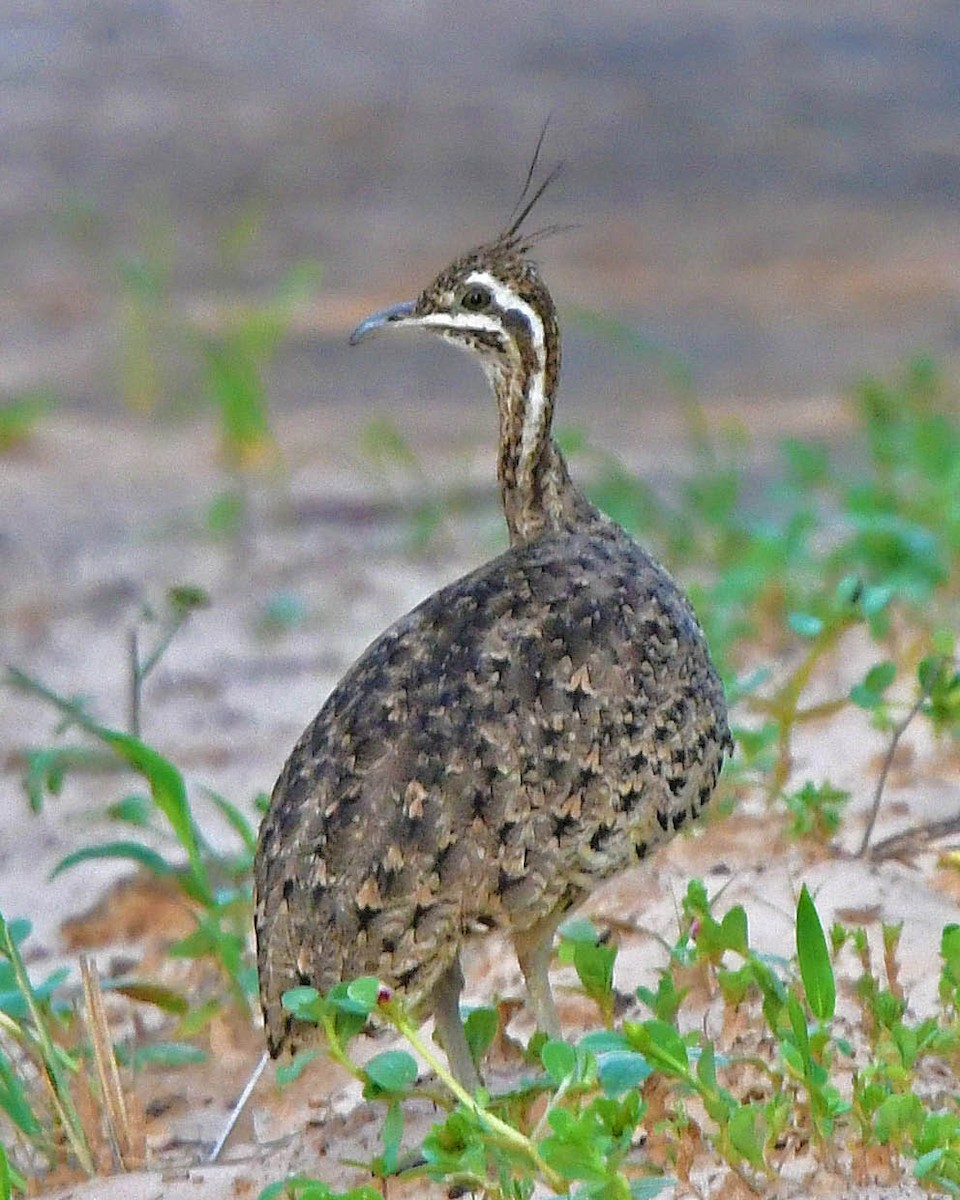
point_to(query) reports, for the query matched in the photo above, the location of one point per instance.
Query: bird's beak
(393, 315)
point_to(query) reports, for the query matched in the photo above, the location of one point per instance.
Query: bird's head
(491, 302)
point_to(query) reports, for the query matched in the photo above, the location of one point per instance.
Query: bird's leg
(534, 947)
(446, 1012)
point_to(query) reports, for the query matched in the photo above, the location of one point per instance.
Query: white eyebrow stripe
(536, 401)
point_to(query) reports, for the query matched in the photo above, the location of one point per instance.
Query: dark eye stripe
(517, 324)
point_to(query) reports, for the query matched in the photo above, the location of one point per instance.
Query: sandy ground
(227, 703)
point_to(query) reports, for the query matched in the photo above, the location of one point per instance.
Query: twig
(898, 732)
(238, 1108)
(128, 1154)
(913, 840)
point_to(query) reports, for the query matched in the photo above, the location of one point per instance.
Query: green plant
(390, 453)
(582, 1136)
(28, 1035)
(151, 336)
(815, 810)
(217, 886)
(684, 1091)
(20, 417)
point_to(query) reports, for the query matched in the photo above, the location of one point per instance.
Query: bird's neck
(537, 493)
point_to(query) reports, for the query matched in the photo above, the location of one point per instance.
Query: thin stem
(555, 1099)
(898, 732)
(71, 708)
(504, 1132)
(784, 705)
(139, 670)
(336, 1050)
(238, 1108)
(136, 682)
(177, 622)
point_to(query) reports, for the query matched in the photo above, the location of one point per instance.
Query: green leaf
(10, 1178)
(806, 625)
(197, 1018)
(135, 851)
(649, 1186)
(392, 1134)
(14, 1101)
(869, 692)
(747, 1134)
(185, 598)
(6, 1187)
(572, 1149)
(292, 1070)
(13, 1001)
(455, 1146)
(304, 1002)
(133, 809)
(237, 821)
(734, 930)
(392, 1071)
(874, 599)
(660, 1044)
(167, 1054)
(899, 1117)
(167, 788)
(19, 929)
(807, 462)
(927, 1162)
(707, 1066)
(798, 1023)
(579, 929)
(816, 970)
(603, 1041)
(480, 1028)
(225, 513)
(169, 793)
(145, 991)
(621, 1071)
(848, 591)
(302, 1187)
(363, 992)
(559, 1060)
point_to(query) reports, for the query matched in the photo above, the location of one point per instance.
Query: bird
(525, 733)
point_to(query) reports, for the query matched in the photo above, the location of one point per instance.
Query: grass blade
(816, 970)
(136, 851)
(50, 1059)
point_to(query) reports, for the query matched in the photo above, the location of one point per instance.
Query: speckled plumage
(523, 734)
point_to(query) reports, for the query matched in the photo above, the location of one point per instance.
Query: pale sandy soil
(103, 514)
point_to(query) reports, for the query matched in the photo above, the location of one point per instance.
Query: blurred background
(764, 194)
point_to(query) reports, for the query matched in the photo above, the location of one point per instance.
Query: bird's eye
(475, 299)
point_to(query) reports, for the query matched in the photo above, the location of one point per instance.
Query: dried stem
(898, 732)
